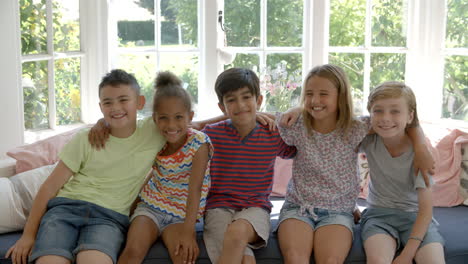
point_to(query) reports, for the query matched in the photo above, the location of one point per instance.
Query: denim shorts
(319, 217)
(397, 224)
(70, 226)
(161, 219)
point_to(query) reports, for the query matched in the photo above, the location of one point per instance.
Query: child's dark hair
(117, 77)
(168, 84)
(234, 79)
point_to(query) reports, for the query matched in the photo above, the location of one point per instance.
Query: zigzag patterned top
(167, 190)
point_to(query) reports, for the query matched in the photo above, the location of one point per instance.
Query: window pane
(179, 23)
(36, 95)
(387, 67)
(281, 81)
(143, 67)
(67, 90)
(248, 61)
(456, 88)
(135, 28)
(242, 23)
(457, 19)
(185, 66)
(66, 25)
(389, 23)
(284, 23)
(347, 22)
(33, 27)
(353, 65)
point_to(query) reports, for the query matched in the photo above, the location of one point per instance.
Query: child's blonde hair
(339, 79)
(166, 85)
(393, 89)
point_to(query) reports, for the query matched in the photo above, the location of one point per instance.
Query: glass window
(158, 38)
(51, 79)
(359, 31)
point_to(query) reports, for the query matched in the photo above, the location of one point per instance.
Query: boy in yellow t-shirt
(80, 213)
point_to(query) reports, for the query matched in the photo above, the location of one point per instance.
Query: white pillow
(17, 194)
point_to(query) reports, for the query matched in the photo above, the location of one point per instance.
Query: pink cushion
(40, 153)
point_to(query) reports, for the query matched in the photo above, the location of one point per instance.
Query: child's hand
(187, 246)
(98, 134)
(266, 119)
(424, 163)
(357, 215)
(290, 117)
(197, 125)
(21, 250)
(403, 259)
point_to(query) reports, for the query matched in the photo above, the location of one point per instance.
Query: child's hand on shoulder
(266, 119)
(99, 134)
(290, 117)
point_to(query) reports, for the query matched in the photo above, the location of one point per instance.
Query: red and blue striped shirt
(242, 169)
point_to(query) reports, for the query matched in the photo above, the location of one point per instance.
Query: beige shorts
(217, 221)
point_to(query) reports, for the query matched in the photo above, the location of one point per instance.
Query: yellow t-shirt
(111, 177)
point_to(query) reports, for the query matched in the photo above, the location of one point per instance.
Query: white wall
(11, 100)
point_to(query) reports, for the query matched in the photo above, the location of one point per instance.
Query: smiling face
(119, 105)
(390, 116)
(173, 119)
(321, 100)
(241, 107)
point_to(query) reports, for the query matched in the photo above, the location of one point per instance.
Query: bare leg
(52, 259)
(238, 234)
(332, 244)
(380, 249)
(142, 234)
(93, 257)
(432, 253)
(296, 241)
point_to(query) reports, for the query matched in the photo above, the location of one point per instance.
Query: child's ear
(141, 100)
(191, 115)
(222, 107)
(411, 117)
(259, 101)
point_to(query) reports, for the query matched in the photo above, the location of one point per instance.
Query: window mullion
(367, 54)
(263, 33)
(50, 64)
(157, 32)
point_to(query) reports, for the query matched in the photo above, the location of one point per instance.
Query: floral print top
(325, 167)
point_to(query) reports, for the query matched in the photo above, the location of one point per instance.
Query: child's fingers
(177, 250)
(9, 252)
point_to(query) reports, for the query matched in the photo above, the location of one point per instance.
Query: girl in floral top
(175, 195)
(322, 193)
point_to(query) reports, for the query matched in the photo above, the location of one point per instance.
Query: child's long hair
(393, 89)
(167, 85)
(339, 79)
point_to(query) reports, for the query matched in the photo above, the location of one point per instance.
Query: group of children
(224, 173)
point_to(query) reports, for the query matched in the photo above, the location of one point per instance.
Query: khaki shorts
(218, 219)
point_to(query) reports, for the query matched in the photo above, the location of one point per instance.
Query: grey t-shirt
(392, 181)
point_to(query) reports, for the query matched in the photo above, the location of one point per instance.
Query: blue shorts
(319, 218)
(160, 219)
(70, 226)
(397, 224)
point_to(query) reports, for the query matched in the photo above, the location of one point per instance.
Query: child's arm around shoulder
(22, 248)
(420, 226)
(423, 160)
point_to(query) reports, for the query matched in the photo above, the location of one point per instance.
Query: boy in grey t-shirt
(400, 205)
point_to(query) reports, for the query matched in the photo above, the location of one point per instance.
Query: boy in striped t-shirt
(237, 219)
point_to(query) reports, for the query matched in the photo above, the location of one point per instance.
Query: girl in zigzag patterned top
(175, 195)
